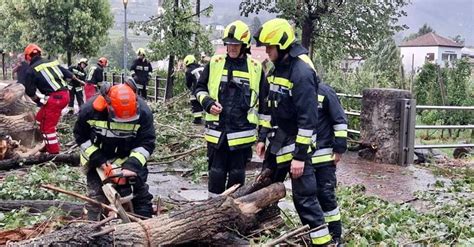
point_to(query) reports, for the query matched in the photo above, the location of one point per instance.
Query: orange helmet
(31, 50)
(103, 62)
(122, 103)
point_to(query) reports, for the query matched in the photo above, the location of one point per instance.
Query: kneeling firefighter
(115, 132)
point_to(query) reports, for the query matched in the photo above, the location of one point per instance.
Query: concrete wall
(448, 50)
(417, 56)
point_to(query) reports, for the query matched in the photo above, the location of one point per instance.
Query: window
(448, 57)
(429, 57)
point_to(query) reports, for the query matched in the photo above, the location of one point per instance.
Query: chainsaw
(112, 176)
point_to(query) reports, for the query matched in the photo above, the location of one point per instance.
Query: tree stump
(380, 124)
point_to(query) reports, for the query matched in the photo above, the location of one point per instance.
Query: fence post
(3, 66)
(113, 78)
(411, 132)
(122, 78)
(105, 76)
(404, 119)
(157, 85)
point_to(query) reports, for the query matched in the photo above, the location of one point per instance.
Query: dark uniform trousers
(78, 93)
(141, 90)
(304, 190)
(225, 163)
(141, 197)
(325, 174)
(196, 109)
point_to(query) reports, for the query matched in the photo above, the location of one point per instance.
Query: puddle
(389, 182)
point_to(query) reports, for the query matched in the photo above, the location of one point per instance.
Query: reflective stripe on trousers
(320, 236)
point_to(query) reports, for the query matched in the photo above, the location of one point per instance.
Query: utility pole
(198, 16)
(170, 76)
(125, 2)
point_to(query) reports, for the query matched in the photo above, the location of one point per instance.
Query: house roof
(430, 39)
(258, 53)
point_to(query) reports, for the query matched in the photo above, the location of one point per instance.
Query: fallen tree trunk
(190, 225)
(74, 209)
(71, 159)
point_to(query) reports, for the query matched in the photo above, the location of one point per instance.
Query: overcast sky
(447, 17)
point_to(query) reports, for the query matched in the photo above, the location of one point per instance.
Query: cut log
(74, 209)
(71, 159)
(197, 224)
(14, 102)
(17, 115)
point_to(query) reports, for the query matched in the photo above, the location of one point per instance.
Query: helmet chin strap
(281, 54)
(243, 51)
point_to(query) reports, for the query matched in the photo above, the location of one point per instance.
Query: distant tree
(256, 24)
(422, 31)
(113, 51)
(174, 33)
(69, 27)
(458, 39)
(336, 27)
(386, 64)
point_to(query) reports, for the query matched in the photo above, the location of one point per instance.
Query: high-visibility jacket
(80, 73)
(332, 126)
(193, 73)
(142, 69)
(96, 75)
(100, 139)
(46, 76)
(235, 84)
(291, 114)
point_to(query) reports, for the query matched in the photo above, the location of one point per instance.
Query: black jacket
(331, 119)
(46, 76)
(142, 69)
(193, 73)
(292, 104)
(80, 73)
(118, 140)
(235, 99)
(96, 75)
(21, 71)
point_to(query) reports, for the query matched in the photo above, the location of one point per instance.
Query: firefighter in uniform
(142, 69)
(115, 129)
(95, 78)
(290, 122)
(228, 90)
(193, 72)
(331, 144)
(75, 86)
(50, 79)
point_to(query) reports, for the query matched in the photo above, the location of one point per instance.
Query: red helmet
(31, 50)
(122, 103)
(103, 62)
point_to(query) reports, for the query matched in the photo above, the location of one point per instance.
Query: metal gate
(408, 129)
